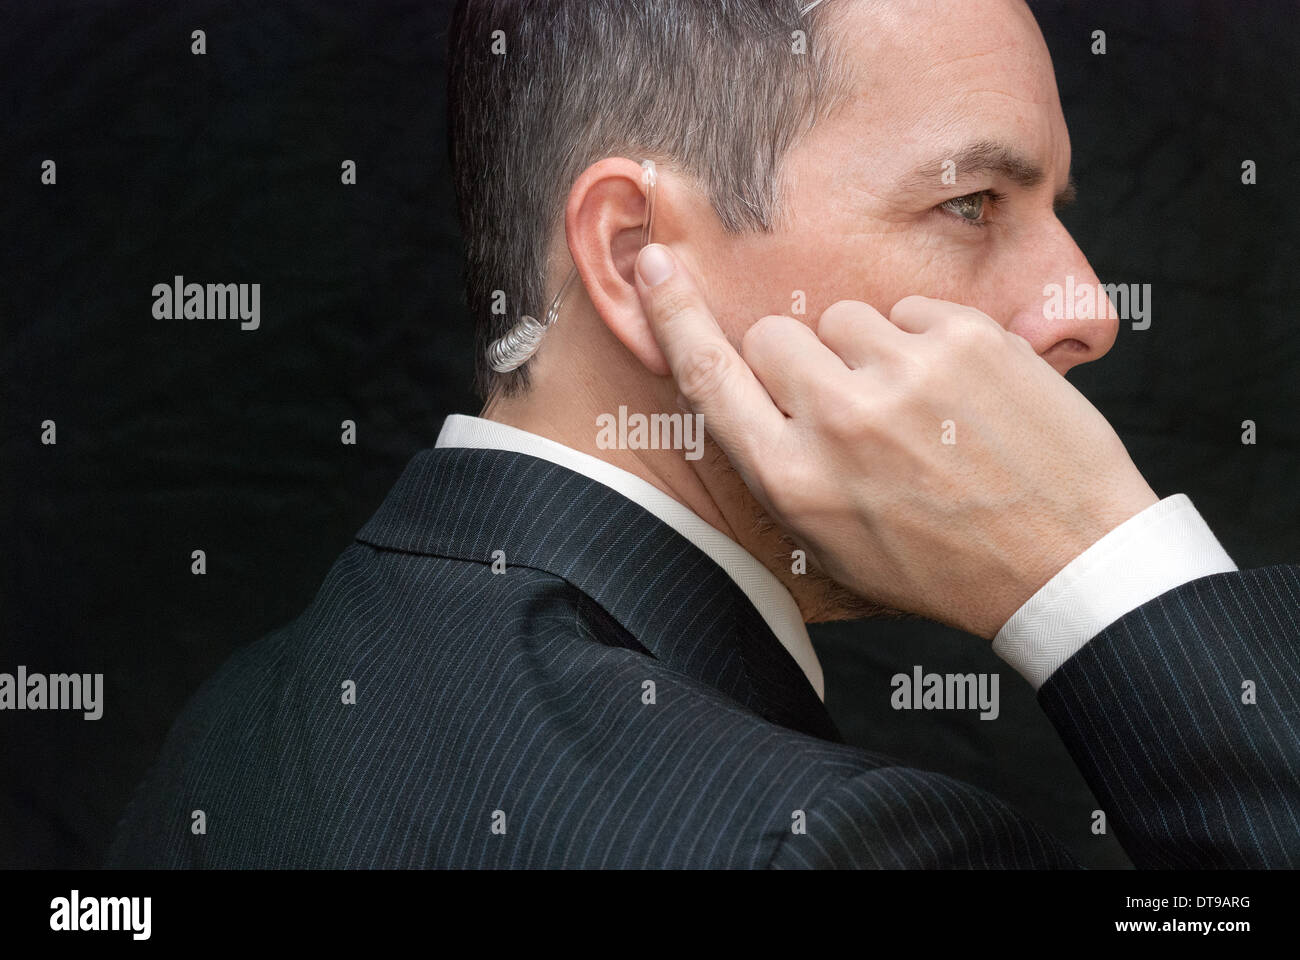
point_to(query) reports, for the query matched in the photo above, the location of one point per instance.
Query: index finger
(711, 375)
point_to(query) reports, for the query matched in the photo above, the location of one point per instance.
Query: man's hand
(931, 461)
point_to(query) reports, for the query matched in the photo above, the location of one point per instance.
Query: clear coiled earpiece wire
(521, 341)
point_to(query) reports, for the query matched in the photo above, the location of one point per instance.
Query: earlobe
(605, 220)
(651, 357)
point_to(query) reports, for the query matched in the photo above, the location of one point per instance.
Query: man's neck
(573, 421)
(569, 390)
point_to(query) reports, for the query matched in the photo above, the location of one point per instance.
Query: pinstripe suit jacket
(613, 700)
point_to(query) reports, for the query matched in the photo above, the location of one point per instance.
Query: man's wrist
(1158, 549)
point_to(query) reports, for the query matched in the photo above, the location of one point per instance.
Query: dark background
(181, 435)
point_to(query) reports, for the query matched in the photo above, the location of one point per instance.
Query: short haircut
(719, 87)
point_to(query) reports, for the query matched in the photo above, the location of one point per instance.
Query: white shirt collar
(768, 595)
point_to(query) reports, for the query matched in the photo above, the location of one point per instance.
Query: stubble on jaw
(820, 599)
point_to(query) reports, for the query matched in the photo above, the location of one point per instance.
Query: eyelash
(991, 198)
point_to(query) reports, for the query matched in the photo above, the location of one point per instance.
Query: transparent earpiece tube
(522, 340)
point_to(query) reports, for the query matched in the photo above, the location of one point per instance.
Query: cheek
(890, 267)
(804, 275)
(968, 274)
(754, 284)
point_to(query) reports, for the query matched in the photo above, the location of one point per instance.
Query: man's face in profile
(963, 89)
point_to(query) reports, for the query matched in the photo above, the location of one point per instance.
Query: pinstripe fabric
(1152, 712)
(522, 696)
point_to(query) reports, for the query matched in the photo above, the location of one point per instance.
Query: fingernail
(654, 264)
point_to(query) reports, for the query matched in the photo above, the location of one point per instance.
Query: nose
(1064, 313)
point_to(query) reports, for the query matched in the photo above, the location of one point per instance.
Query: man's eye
(971, 207)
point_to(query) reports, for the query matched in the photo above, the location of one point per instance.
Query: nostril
(1067, 346)
(1067, 353)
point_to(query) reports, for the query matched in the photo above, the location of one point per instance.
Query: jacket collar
(678, 604)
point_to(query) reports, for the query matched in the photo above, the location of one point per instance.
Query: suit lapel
(677, 603)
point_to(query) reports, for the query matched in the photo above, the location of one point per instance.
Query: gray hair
(715, 86)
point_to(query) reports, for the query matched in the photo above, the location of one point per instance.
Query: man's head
(541, 90)
(865, 149)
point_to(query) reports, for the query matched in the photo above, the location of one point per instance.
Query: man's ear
(603, 222)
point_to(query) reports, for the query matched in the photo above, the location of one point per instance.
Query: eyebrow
(988, 156)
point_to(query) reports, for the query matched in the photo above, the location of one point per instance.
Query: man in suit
(542, 651)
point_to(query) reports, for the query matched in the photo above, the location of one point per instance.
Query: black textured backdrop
(181, 435)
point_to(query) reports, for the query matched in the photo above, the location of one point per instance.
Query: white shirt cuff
(1163, 547)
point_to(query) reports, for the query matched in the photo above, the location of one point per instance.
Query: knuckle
(674, 303)
(917, 371)
(704, 371)
(907, 304)
(969, 330)
(848, 416)
(765, 332)
(842, 314)
(1018, 342)
(770, 326)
